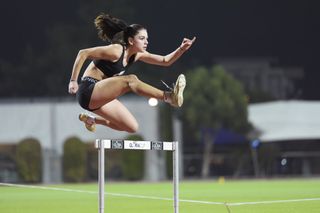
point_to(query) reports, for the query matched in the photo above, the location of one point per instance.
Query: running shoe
(177, 93)
(89, 121)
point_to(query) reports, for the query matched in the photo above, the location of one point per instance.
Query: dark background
(287, 30)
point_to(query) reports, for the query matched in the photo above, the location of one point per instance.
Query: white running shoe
(176, 95)
(89, 121)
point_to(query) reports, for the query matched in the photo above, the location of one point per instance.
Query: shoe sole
(83, 117)
(180, 85)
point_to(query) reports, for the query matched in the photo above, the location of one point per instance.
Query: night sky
(284, 29)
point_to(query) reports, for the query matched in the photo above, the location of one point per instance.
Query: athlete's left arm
(168, 59)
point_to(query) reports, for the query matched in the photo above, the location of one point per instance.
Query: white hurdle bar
(102, 144)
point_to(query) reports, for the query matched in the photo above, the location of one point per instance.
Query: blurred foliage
(92, 161)
(28, 160)
(133, 161)
(74, 160)
(214, 99)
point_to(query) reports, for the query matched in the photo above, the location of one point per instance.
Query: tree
(214, 100)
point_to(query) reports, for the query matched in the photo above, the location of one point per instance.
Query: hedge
(28, 159)
(74, 160)
(133, 161)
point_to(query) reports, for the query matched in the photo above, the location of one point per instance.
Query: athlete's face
(140, 41)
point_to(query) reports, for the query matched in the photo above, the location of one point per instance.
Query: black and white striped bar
(137, 145)
(102, 144)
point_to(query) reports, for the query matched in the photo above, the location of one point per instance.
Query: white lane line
(160, 198)
(274, 201)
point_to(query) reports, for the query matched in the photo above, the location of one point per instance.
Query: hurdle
(102, 144)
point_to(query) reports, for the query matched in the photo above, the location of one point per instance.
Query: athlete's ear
(130, 40)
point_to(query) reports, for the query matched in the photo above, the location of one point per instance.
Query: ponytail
(115, 30)
(108, 26)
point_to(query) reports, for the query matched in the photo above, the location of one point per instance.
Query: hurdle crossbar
(102, 144)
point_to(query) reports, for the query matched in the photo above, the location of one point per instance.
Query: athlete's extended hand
(187, 43)
(73, 87)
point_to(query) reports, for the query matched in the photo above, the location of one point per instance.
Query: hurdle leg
(175, 160)
(101, 175)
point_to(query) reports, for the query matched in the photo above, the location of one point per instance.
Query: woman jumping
(103, 80)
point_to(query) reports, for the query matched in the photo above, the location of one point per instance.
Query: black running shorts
(85, 91)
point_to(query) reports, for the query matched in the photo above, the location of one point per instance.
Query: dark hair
(115, 30)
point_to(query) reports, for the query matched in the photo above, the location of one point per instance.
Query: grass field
(244, 196)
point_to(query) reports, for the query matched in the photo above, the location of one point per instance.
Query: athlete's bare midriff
(94, 72)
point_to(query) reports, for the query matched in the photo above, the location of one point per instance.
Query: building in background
(289, 131)
(264, 75)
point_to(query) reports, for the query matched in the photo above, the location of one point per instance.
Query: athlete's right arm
(110, 53)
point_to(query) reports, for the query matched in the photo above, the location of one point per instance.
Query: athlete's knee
(132, 78)
(133, 81)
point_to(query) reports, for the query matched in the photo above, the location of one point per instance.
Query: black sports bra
(113, 68)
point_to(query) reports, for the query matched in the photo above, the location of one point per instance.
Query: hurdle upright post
(101, 177)
(175, 161)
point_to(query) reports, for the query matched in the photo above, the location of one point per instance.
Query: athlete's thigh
(107, 90)
(117, 113)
